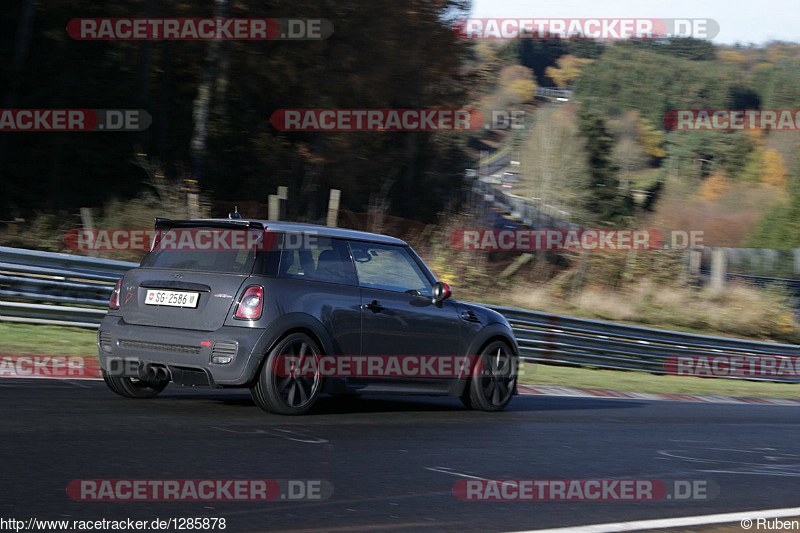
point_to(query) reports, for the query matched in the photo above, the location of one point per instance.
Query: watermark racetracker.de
(171, 29)
(584, 28)
(734, 366)
(584, 490)
(527, 240)
(732, 119)
(23, 120)
(187, 239)
(395, 120)
(49, 366)
(174, 490)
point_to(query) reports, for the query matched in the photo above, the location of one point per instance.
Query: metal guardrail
(565, 340)
(61, 289)
(554, 92)
(519, 208)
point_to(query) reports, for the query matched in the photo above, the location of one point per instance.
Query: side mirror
(441, 292)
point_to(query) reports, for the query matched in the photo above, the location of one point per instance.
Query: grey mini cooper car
(280, 317)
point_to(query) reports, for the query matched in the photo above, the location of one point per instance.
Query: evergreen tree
(607, 203)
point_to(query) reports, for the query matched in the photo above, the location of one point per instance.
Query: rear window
(230, 261)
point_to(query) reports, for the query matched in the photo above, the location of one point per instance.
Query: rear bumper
(189, 355)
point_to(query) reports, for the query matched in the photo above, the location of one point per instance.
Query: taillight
(252, 302)
(114, 303)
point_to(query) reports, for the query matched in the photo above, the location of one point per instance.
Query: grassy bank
(28, 339)
(536, 374)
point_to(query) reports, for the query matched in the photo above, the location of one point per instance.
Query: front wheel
(134, 388)
(289, 392)
(493, 378)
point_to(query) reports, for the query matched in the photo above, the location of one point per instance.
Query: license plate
(172, 298)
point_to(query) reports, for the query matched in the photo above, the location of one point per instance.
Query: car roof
(283, 227)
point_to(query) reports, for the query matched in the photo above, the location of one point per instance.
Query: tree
(714, 186)
(733, 57)
(517, 85)
(773, 172)
(211, 103)
(553, 162)
(779, 228)
(567, 70)
(686, 48)
(651, 139)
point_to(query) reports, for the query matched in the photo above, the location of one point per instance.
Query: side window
(321, 259)
(268, 259)
(388, 267)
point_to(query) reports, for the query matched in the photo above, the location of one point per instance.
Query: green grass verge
(29, 339)
(538, 374)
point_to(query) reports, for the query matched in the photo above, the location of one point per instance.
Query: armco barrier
(42, 287)
(559, 339)
(60, 289)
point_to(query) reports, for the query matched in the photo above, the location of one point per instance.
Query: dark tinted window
(267, 262)
(268, 259)
(318, 259)
(392, 268)
(232, 261)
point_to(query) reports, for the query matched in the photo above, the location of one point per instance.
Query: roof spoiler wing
(167, 223)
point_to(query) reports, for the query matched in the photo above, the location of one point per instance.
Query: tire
(288, 395)
(493, 378)
(134, 388)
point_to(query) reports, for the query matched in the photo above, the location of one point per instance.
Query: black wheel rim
(498, 374)
(297, 391)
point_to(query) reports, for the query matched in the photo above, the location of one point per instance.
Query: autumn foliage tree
(773, 171)
(714, 186)
(567, 69)
(517, 84)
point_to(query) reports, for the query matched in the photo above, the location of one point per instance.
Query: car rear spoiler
(167, 223)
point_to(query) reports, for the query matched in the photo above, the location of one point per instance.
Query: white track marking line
(305, 439)
(444, 470)
(776, 474)
(674, 522)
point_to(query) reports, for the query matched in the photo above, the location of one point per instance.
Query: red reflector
(205, 343)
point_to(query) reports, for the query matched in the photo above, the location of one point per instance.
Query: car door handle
(374, 306)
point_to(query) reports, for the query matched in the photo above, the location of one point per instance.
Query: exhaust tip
(153, 373)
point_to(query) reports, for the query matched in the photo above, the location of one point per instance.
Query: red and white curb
(577, 392)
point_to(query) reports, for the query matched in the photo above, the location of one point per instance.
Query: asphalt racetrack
(392, 462)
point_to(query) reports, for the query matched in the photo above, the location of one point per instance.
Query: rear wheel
(295, 392)
(134, 388)
(493, 379)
